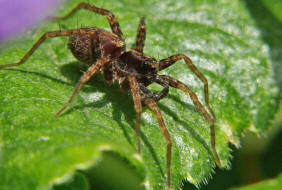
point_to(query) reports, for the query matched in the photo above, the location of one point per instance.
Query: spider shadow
(182, 122)
(38, 74)
(121, 102)
(113, 94)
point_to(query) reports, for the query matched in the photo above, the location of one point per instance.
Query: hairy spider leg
(154, 107)
(50, 34)
(85, 77)
(141, 36)
(179, 85)
(135, 90)
(164, 63)
(156, 96)
(110, 16)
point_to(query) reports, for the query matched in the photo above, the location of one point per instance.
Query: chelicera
(106, 52)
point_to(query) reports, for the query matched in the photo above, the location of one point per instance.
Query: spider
(106, 52)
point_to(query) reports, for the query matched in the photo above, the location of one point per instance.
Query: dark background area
(258, 159)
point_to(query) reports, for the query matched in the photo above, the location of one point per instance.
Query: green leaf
(273, 184)
(275, 7)
(109, 173)
(39, 150)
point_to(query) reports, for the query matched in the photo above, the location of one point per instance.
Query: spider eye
(150, 61)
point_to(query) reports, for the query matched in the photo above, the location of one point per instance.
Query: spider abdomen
(88, 48)
(81, 48)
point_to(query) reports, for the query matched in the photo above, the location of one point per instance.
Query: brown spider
(105, 51)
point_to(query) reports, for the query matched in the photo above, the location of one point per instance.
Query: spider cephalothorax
(105, 51)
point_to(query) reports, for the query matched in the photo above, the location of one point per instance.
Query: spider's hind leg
(141, 36)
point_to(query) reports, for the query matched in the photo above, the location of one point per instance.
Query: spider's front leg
(154, 107)
(164, 63)
(110, 16)
(156, 96)
(150, 99)
(179, 85)
(50, 34)
(135, 90)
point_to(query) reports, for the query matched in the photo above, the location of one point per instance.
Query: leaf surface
(40, 150)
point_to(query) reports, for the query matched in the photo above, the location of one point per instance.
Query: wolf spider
(106, 52)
